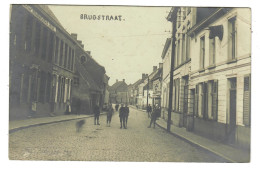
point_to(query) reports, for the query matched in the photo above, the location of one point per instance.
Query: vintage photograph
(129, 83)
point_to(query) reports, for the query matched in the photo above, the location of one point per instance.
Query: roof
(87, 77)
(166, 46)
(157, 75)
(117, 85)
(205, 22)
(151, 77)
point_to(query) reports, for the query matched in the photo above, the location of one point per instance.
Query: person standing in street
(126, 115)
(117, 106)
(109, 114)
(149, 110)
(96, 115)
(155, 114)
(122, 116)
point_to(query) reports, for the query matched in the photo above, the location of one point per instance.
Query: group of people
(123, 114)
(96, 112)
(153, 113)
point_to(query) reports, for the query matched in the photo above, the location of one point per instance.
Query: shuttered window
(196, 100)
(215, 100)
(247, 101)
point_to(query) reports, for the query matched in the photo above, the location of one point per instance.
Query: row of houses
(49, 68)
(209, 55)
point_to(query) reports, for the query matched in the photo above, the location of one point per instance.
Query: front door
(232, 112)
(185, 105)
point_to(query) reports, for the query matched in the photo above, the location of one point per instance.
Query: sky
(126, 48)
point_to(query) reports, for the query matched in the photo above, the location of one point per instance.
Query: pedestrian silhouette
(96, 115)
(79, 125)
(122, 116)
(109, 114)
(155, 114)
(126, 115)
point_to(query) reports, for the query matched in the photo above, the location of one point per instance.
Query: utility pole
(173, 19)
(147, 93)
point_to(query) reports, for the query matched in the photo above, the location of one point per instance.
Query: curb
(46, 123)
(194, 143)
(198, 145)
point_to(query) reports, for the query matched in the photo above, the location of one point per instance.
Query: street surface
(60, 141)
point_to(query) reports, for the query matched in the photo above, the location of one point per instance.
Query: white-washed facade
(220, 75)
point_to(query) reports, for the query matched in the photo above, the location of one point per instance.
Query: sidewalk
(22, 124)
(225, 151)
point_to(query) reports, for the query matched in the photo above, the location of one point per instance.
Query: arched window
(82, 59)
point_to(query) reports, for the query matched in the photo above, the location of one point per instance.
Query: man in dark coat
(96, 115)
(109, 114)
(149, 110)
(126, 114)
(117, 106)
(122, 115)
(155, 114)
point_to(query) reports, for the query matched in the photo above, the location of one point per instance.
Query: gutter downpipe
(173, 20)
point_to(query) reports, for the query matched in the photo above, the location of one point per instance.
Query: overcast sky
(126, 48)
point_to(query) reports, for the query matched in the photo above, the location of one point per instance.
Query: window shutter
(215, 100)
(246, 102)
(196, 101)
(205, 101)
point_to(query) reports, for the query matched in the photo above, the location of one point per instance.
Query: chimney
(154, 68)
(143, 76)
(89, 52)
(116, 80)
(79, 41)
(123, 80)
(160, 65)
(82, 45)
(74, 36)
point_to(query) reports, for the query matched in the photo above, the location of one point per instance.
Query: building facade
(118, 92)
(42, 64)
(212, 67)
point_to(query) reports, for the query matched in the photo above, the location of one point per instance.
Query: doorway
(232, 110)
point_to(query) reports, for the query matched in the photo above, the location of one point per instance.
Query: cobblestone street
(60, 141)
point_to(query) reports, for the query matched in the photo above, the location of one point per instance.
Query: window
(177, 92)
(65, 55)
(183, 48)
(232, 38)
(179, 18)
(212, 99)
(212, 50)
(28, 33)
(82, 59)
(202, 52)
(187, 47)
(72, 60)
(42, 87)
(61, 53)
(247, 101)
(37, 37)
(50, 54)
(69, 61)
(184, 13)
(57, 50)
(44, 43)
(178, 53)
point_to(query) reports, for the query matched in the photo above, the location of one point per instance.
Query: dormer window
(82, 59)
